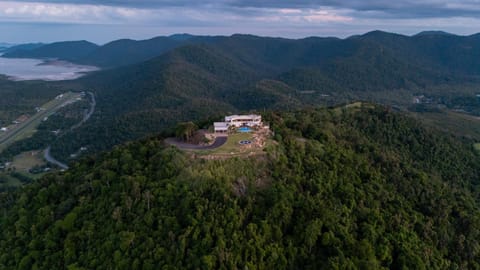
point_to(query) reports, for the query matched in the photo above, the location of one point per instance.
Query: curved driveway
(51, 159)
(219, 141)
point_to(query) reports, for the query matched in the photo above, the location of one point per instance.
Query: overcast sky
(102, 21)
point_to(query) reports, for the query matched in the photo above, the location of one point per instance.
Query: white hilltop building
(249, 120)
(220, 127)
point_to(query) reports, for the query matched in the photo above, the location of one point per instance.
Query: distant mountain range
(199, 77)
(116, 53)
(440, 49)
(4, 46)
(147, 86)
(68, 50)
(23, 47)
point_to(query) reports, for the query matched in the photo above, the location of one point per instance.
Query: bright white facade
(251, 120)
(220, 127)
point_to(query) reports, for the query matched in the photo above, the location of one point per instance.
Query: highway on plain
(31, 123)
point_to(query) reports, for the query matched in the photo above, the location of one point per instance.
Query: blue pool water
(244, 129)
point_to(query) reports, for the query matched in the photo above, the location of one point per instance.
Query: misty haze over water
(35, 69)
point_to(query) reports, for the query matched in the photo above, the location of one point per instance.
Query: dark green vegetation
(185, 131)
(19, 98)
(356, 188)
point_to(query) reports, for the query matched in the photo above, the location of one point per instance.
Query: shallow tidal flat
(35, 69)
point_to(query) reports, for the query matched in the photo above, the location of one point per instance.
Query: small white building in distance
(250, 120)
(221, 127)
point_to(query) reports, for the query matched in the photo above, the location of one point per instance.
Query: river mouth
(20, 69)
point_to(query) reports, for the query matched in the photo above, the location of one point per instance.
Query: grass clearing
(476, 146)
(459, 124)
(232, 148)
(18, 170)
(232, 145)
(27, 160)
(8, 181)
(353, 107)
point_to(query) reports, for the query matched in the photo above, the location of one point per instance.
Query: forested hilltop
(350, 187)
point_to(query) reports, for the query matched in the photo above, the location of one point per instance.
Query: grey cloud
(381, 8)
(360, 8)
(127, 3)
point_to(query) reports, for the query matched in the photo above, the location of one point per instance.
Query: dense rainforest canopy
(344, 188)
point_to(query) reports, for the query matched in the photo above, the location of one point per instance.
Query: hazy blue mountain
(181, 37)
(67, 50)
(113, 54)
(5, 46)
(23, 47)
(429, 50)
(434, 33)
(435, 51)
(126, 51)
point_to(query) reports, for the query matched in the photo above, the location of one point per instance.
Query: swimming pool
(244, 129)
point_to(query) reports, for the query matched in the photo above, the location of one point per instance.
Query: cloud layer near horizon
(289, 18)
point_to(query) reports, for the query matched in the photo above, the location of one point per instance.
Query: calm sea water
(34, 69)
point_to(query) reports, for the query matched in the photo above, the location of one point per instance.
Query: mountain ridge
(65, 50)
(124, 52)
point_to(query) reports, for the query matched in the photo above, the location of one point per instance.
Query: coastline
(63, 63)
(23, 69)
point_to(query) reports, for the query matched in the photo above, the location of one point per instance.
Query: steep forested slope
(343, 188)
(190, 83)
(432, 50)
(126, 52)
